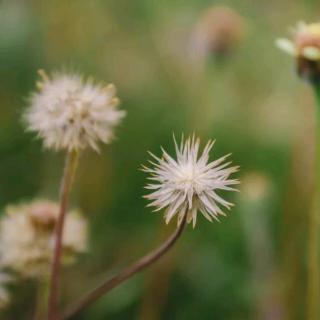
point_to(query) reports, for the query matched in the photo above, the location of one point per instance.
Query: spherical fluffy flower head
(27, 237)
(305, 43)
(70, 113)
(189, 183)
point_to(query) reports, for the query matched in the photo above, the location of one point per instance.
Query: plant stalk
(41, 299)
(124, 275)
(313, 285)
(68, 175)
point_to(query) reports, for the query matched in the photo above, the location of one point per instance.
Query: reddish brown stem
(128, 272)
(69, 171)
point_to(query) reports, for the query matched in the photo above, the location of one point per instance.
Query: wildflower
(71, 113)
(305, 47)
(218, 31)
(189, 183)
(27, 237)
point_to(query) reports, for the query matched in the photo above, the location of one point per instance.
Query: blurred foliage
(249, 101)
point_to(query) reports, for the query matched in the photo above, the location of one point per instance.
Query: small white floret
(189, 183)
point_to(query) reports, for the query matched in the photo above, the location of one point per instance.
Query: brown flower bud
(218, 32)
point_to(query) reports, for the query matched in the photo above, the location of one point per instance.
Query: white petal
(311, 53)
(287, 46)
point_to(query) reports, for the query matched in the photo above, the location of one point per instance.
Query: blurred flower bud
(218, 32)
(44, 214)
(254, 186)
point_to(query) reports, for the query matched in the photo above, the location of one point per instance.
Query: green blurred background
(251, 265)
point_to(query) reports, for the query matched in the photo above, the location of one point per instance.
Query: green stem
(41, 299)
(317, 96)
(68, 175)
(313, 288)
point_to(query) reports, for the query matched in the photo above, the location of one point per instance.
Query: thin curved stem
(127, 273)
(69, 172)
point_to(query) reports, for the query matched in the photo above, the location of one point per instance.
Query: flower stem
(41, 299)
(313, 293)
(127, 273)
(68, 175)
